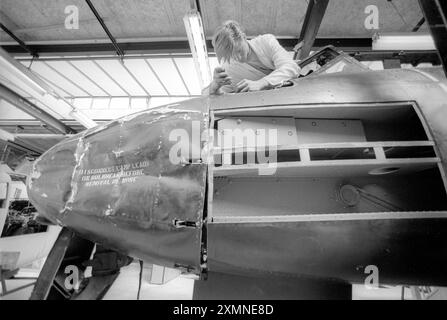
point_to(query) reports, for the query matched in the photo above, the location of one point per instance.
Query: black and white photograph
(222, 157)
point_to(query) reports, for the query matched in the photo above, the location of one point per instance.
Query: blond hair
(227, 38)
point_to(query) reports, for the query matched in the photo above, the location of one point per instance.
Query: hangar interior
(70, 65)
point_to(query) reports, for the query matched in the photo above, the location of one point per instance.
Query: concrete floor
(124, 288)
(25, 293)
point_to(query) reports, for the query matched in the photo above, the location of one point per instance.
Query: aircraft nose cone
(129, 184)
(49, 182)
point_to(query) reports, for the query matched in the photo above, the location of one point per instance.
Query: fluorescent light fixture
(6, 136)
(403, 41)
(196, 38)
(15, 71)
(83, 119)
(15, 76)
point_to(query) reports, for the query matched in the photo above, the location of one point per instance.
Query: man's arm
(285, 67)
(221, 83)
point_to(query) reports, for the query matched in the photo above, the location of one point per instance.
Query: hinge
(185, 224)
(185, 162)
(203, 265)
(184, 268)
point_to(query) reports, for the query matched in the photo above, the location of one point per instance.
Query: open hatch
(328, 160)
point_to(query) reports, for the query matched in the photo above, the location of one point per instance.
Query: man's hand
(249, 85)
(220, 78)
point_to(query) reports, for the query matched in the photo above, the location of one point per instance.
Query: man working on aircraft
(249, 65)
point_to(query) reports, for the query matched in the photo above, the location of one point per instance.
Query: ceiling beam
(12, 140)
(181, 46)
(33, 110)
(312, 21)
(435, 13)
(418, 25)
(6, 20)
(411, 57)
(33, 125)
(40, 135)
(52, 27)
(118, 49)
(174, 46)
(23, 146)
(360, 48)
(414, 57)
(19, 41)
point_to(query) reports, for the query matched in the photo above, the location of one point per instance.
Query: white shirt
(276, 64)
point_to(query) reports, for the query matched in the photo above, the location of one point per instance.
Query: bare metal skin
(138, 217)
